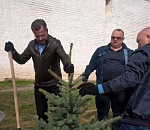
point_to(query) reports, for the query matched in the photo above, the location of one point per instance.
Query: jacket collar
(123, 45)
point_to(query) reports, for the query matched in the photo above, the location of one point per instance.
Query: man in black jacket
(111, 58)
(137, 75)
(46, 52)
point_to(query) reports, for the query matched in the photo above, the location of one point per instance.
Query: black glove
(9, 46)
(84, 78)
(88, 88)
(69, 68)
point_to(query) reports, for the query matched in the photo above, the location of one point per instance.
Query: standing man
(137, 75)
(109, 62)
(46, 52)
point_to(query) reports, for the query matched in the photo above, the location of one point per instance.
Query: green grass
(27, 110)
(26, 106)
(19, 82)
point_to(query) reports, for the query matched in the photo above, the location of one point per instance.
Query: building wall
(87, 24)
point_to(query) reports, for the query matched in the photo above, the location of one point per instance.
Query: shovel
(14, 89)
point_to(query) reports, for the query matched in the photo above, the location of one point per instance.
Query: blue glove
(9, 46)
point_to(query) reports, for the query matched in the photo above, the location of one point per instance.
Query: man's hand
(84, 79)
(9, 46)
(88, 88)
(69, 68)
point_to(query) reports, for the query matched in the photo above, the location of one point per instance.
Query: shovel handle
(14, 89)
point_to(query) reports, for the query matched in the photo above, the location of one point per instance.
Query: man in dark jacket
(46, 52)
(137, 75)
(111, 58)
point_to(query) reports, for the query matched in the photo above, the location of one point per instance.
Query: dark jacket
(137, 75)
(96, 62)
(49, 59)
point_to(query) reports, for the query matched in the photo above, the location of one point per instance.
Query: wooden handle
(70, 52)
(14, 89)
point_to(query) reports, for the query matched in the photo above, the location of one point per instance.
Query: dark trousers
(41, 101)
(113, 100)
(133, 127)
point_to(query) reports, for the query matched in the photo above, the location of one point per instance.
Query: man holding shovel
(46, 52)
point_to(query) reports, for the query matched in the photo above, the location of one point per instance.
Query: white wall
(87, 24)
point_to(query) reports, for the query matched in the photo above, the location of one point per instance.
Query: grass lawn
(27, 111)
(26, 106)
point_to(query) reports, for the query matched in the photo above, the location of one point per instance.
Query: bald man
(137, 75)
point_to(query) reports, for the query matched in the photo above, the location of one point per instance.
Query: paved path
(26, 88)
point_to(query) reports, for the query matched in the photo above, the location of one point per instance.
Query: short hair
(119, 30)
(36, 24)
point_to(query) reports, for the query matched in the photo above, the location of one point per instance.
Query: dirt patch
(26, 88)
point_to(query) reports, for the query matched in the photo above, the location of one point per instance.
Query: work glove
(69, 68)
(9, 46)
(88, 88)
(84, 79)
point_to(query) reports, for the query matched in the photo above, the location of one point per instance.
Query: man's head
(40, 30)
(143, 37)
(117, 38)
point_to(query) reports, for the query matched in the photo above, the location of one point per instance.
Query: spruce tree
(65, 109)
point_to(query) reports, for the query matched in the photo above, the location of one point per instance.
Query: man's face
(41, 35)
(117, 39)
